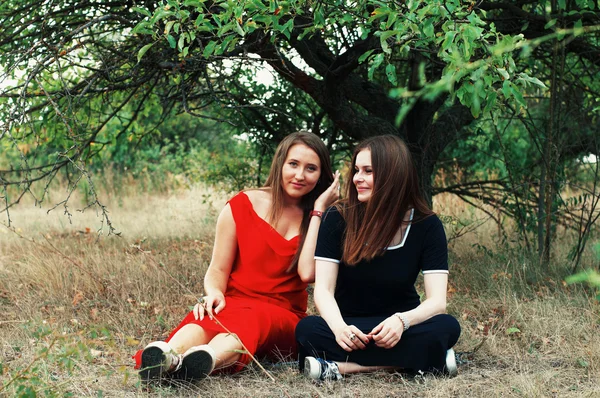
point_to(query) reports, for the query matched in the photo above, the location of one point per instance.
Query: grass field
(75, 305)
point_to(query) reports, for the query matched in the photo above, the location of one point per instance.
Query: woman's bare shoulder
(259, 197)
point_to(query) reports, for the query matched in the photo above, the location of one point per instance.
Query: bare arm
(306, 261)
(435, 301)
(223, 256)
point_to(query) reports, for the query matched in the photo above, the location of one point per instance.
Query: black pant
(422, 347)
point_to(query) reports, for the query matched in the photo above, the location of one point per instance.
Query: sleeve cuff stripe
(436, 271)
(331, 260)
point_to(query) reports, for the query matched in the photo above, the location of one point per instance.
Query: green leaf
(583, 363)
(376, 62)
(141, 11)
(550, 23)
(391, 19)
(406, 107)
(428, 28)
(383, 36)
(513, 330)
(448, 40)
(159, 14)
(365, 56)
(379, 13)
(533, 80)
(239, 29)
(168, 27)
(475, 99)
(208, 50)
(287, 28)
(259, 5)
(171, 41)
(144, 27)
(518, 96)
(461, 94)
(390, 71)
(318, 18)
(578, 27)
(490, 101)
(143, 51)
(503, 73)
(224, 29)
(506, 87)
(589, 276)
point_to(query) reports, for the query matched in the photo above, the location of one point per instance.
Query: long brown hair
(274, 181)
(371, 226)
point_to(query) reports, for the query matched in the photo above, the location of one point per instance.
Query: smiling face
(363, 175)
(301, 171)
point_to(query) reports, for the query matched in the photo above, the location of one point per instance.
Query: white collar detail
(412, 213)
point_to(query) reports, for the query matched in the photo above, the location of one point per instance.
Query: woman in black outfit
(371, 247)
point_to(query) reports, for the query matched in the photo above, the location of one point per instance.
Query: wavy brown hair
(371, 226)
(274, 181)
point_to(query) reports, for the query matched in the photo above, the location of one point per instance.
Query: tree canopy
(504, 91)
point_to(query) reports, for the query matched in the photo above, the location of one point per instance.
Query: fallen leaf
(77, 298)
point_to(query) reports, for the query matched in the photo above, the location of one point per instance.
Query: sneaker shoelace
(329, 371)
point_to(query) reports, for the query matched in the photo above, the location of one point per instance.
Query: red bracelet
(316, 213)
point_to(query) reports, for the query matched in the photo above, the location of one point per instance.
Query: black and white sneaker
(320, 369)
(451, 367)
(157, 359)
(197, 363)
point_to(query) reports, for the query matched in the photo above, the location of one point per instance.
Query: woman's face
(301, 171)
(363, 175)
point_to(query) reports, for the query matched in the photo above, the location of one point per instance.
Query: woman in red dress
(256, 283)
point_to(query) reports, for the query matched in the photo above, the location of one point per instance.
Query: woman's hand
(210, 304)
(388, 333)
(330, 195)
(350, 338)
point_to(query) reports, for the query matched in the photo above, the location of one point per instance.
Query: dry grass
(100, 298)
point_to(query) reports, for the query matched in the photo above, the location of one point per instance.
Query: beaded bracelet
(403, 319)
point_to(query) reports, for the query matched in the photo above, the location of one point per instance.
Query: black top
(384, 285)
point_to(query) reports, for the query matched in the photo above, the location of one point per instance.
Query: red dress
(264, 302)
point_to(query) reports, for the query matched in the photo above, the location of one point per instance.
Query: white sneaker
(158, 358)
(320, 369)
(451, 368)
(197, 363)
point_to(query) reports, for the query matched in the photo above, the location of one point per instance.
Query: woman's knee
(448, 325)
(307, 327)
(189, 335)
